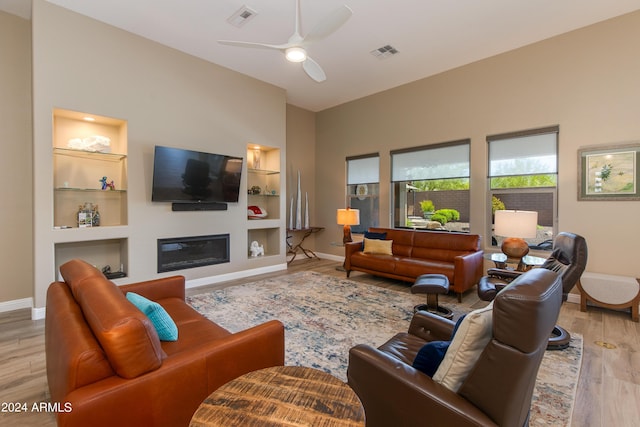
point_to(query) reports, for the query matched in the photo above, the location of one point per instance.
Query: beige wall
(301, 147)
(16, 206)
(585, 81)
(168, 98)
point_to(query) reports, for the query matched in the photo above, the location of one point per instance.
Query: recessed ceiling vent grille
(384, 52)
(242, 16)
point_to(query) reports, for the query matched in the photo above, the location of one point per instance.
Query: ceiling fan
(295, 48)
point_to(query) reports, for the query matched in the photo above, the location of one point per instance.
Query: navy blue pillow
(431, 354)
(372, 235)
(455, 328)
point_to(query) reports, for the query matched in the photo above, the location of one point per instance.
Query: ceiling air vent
(384, 52)
(242, 16)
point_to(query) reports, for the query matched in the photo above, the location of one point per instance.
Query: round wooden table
(281, 396)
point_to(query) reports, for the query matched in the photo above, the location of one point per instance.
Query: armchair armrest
(394, 393)
(166, 287)
(501, 273)
(431, 327)
(468, 269)
(349, 249)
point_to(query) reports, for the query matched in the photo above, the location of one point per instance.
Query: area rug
(324, 316)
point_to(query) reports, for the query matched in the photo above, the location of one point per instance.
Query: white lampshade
(348, 216)
(523, 224)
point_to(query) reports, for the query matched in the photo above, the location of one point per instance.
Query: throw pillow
(164, 324)
(431, 354)
(372, 235)
(468, 343)
(375, 246)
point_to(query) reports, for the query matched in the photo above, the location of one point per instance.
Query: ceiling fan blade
(329, 24)
(314, 70)
(254, 45)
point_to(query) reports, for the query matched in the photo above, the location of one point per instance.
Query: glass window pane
(541, 201)
(363, 189)
(365, 197)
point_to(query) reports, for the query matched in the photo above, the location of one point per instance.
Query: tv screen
(181, 175)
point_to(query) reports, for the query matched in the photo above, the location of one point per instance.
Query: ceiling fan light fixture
(295, 54)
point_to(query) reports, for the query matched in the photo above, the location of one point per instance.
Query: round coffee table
(281, 395)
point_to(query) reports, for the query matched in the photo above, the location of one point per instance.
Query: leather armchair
(498, 389)
(568, 258)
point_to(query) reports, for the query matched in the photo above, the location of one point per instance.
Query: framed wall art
(609, 172)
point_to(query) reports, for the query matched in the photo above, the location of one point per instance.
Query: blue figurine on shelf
(107, 185)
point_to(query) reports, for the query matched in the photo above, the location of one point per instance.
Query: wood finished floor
(608, 391)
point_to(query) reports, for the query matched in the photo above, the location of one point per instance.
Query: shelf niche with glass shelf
(263, 180)
(263, 190)
(77, 173)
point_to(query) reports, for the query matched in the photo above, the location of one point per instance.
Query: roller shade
(451, 161)
(363, 170)
(524, 155)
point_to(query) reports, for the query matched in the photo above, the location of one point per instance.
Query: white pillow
(472, 337)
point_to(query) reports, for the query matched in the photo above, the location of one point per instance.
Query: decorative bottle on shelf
(95, 220)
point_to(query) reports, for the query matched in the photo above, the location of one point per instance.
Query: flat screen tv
(186, 176)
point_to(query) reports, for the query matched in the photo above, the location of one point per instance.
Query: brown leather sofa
(107, 366)
(456, 255)
(498, 388)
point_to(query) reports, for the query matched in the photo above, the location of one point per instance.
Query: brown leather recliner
(499, 387)
(568, 258)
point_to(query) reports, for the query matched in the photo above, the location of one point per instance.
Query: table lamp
(348, 217)
(515, 226)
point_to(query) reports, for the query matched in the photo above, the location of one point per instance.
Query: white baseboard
(203, 281)
(16, 304)
(330, 257)
(38, 313)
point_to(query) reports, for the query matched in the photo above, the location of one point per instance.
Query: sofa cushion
(415, 267)
(164, 324)
(125, 334)
(376, 246)
(471, 338)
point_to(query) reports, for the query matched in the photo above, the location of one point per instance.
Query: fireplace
(188, 252)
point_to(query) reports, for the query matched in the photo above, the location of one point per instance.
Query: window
(523, 175)
(431, 186)
(363, 189)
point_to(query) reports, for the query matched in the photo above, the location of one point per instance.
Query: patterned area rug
(324, 316)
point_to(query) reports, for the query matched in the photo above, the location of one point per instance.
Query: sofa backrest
(126, 335)
(436, 245)
(402, 240)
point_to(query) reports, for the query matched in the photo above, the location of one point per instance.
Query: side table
(526, 264)
(293, 249)
(282, 395)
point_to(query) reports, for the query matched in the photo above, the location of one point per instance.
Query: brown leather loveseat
(456, 255)
(107, 366)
